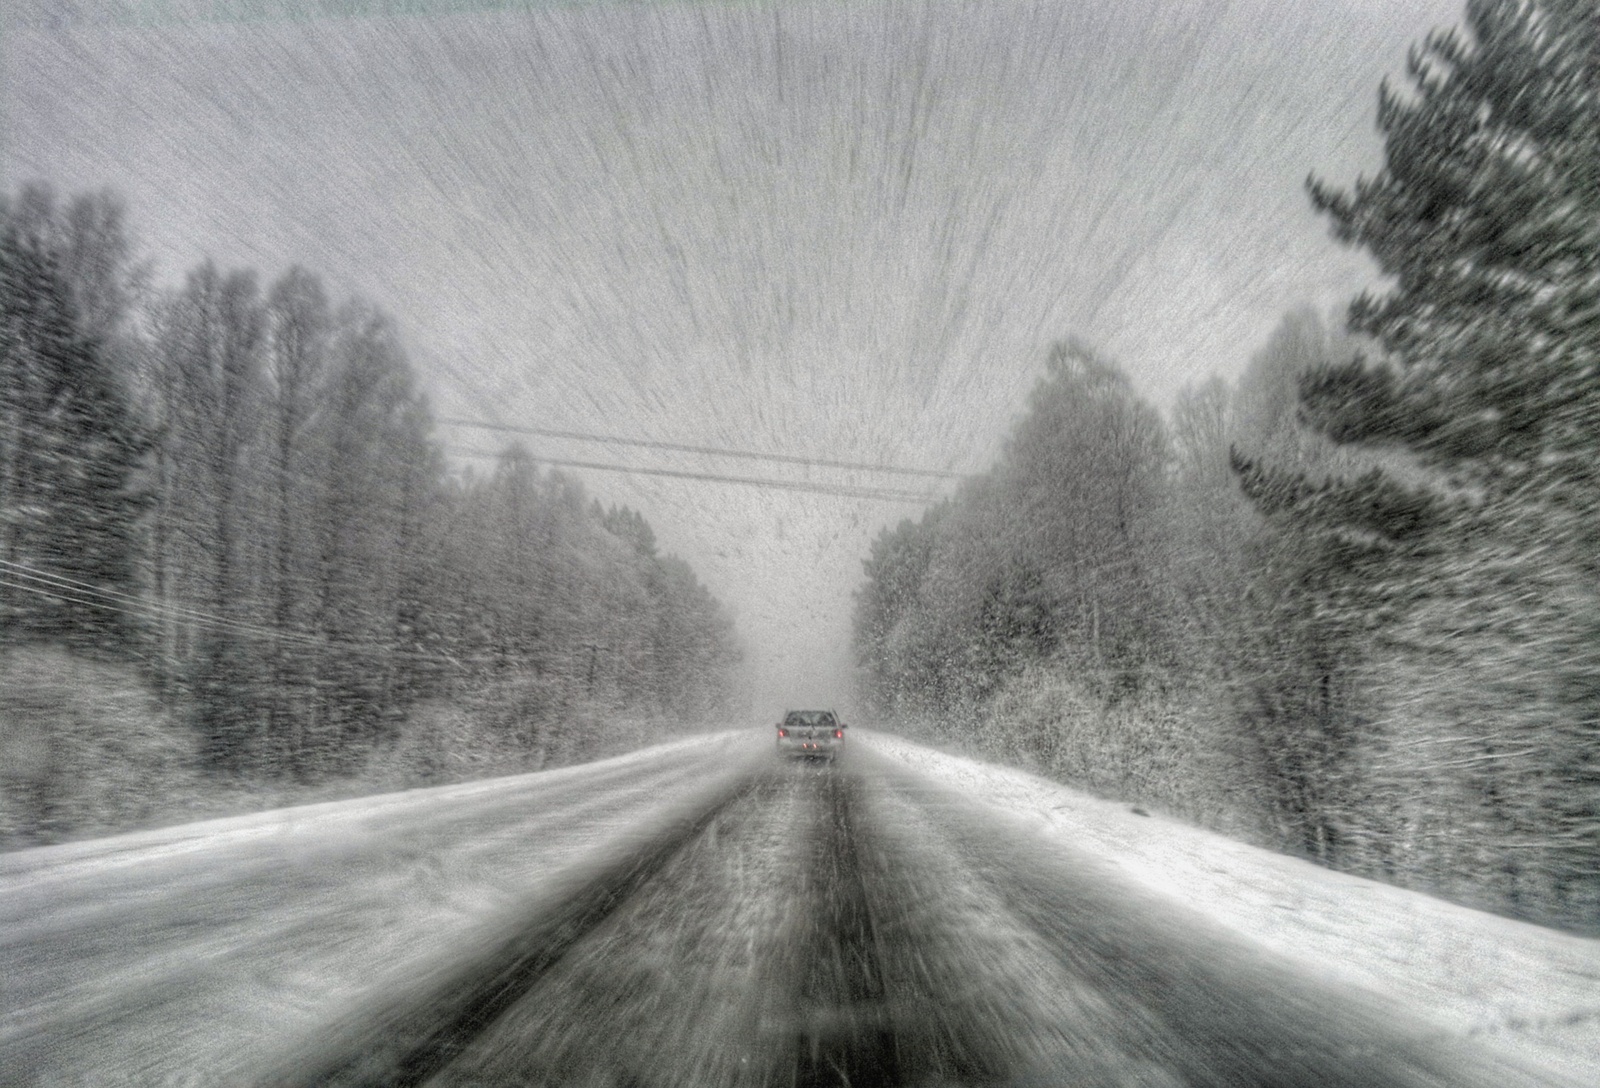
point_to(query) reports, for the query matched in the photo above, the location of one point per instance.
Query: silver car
(811, 734)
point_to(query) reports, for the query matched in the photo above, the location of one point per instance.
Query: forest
(236, 568)
(1346, 606)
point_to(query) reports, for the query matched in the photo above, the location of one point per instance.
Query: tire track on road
(117, 974)
(759, 955)
(807, 927)
(410, 1037)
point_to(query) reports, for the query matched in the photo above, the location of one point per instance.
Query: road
(705, 918)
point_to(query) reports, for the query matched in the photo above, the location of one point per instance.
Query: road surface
(708, 917)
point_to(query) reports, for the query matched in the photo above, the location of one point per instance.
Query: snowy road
(692, 916)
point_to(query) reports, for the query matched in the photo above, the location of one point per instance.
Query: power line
(84, 594)
(129, 602)
(715, 451)
(848, 491)
(71, 591)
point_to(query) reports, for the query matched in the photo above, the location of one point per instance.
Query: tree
(93, 254)
(1081, 487)
(1486, 217)
(71, 454)
(1052, 557)
(630, 526)
(298, 325)
(1271, 585)
(1486, 384)
(1208, 522)
(692, 644)
(309, 572)
(1329, 585)
(894, 573)
(372, 475)
(209, 374)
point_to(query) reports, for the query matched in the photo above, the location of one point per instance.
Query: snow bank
(189, 954)
(344, 817)
(1531, 992)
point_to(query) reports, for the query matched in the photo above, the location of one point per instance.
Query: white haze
(843, 231)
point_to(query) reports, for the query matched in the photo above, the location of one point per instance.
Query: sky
(833, 231)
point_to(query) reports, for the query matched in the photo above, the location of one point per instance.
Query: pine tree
(1486, 220)
(1486, 216)
(1328, 583)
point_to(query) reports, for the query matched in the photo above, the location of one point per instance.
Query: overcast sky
(835, 230)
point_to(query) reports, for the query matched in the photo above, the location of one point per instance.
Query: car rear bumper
(821, 748)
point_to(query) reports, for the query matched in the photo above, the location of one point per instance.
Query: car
(811, 734)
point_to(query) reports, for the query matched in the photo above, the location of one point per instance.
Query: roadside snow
(1531, 992)
(343, 817)
(190, 954)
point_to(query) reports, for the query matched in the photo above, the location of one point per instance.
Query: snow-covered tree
(71, 455)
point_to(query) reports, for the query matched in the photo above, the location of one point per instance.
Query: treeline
(231, 488)
(1349, 605)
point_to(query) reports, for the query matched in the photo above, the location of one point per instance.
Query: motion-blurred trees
(239, 492)
(210, 346)
(1313, 587)
(299, 327)
(370, 479)
(894, 574)
(1055, 553)
(693, 649)
(1052, 563)
(1486, 217)
(71, 447)
(1089, 461)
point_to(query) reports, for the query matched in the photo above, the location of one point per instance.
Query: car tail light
(783, 732)
(839, 733)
